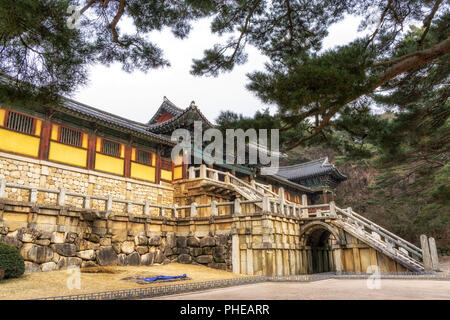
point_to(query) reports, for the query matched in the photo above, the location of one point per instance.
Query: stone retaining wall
(49, 175)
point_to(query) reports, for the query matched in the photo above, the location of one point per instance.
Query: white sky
(137, 96)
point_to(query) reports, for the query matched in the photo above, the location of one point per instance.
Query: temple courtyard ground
(331, 289)
(55, 283)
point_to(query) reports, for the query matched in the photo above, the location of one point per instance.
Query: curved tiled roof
(167, 106)
(309, 169)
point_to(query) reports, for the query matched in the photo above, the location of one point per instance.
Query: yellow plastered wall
(19, 143)
(133, 154)
(109, 164)
(166, 175)
(139, 171)
(99, 145)
(122, 151)
(2, 117)
(67, 154)
(85, 140)
(178, 173)
(55, 132)
(37, 132)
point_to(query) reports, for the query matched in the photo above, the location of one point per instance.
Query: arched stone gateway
(320, 240)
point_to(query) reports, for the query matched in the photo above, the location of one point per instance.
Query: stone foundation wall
(44, 174)
(211, 251)
(51, 237)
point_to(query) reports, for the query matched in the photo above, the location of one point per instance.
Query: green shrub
(11, 261)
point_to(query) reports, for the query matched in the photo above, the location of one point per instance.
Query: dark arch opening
(320, 244)
(318, 238)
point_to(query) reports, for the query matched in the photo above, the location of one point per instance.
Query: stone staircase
(356, 225)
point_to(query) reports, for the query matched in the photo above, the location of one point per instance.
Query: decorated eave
(310, 169)
(183, 119)
(106, 119)
(282, 180)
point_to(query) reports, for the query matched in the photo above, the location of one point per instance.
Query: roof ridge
(320, 160)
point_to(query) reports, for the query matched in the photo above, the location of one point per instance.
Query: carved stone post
(2, 188)
(33, 195)
(214, 211)
(237, 206)
(193, 209)
(109, 204)
(62, 197)
(192, 172)
(146, 208)
(282, 199)
(426, 253)
(333, 209)
(434, 254)
(175, 211)
(87, 202)
(203, 171)
(266, 204)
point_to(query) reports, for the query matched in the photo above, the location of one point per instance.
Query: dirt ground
(331, 289)
(54, 283)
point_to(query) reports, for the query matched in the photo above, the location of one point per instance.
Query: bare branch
(427, 22)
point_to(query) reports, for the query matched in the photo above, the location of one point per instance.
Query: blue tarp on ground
(162, 278)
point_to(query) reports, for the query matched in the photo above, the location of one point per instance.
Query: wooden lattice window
(19, 122)
(70, 137)
(144, 157)
(111, 148)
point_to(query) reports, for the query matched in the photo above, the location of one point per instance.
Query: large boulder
(86, 254)
(58, 237)
(204, 259)
(154, 241)
(142, 249)
(65, 262)
(195, 252)
(171, 240)
(48, 266)
(184, 258)
(207, 242)
(140, 240)
(27, 235)
(127, 247)
(31, 267)
(65, 249)
(193, 242)
(122, 259)
(82, 244)
(134, 259)
(106, 256)
(181, 242)
(147, 259)
(159, 257)
(35, 253)
(219, 254)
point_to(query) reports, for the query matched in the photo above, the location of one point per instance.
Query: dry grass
(54, 283)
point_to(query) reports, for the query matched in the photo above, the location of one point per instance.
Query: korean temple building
(81, 186)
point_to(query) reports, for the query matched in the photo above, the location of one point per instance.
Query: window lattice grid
(144, 157)
(20, 122)
(111, 148)
(70, 137)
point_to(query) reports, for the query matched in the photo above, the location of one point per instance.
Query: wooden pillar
(127, 161)
(325, 198)
(45, 140)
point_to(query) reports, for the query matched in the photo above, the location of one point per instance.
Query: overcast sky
(138, 95)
